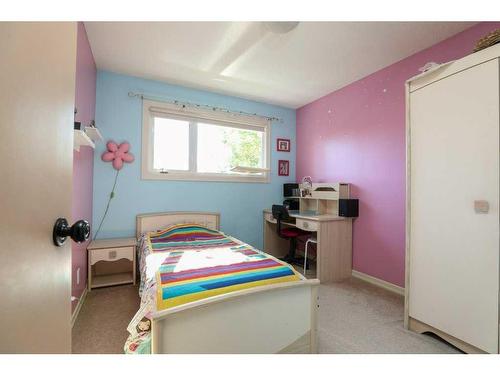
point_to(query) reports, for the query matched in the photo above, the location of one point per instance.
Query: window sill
(204, 177)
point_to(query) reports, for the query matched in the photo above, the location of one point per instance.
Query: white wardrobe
(452, 249)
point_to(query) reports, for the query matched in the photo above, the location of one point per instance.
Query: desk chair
(280, 213)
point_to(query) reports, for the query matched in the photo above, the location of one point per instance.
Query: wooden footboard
(278, 318)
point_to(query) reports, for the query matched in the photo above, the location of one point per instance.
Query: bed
(256, 317)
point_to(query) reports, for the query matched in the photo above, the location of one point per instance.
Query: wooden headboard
(155, 221)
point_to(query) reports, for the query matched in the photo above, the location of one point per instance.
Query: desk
(334, 248)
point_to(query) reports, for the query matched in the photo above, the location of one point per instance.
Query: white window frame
(152, 109)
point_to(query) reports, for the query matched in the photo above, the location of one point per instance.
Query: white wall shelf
(81, 139)
(93, 133)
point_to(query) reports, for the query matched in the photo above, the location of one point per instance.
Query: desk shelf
(324, 202)
(309, 204)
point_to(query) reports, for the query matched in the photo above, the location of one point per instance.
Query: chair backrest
(280, 212)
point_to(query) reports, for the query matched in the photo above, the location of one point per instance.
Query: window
(203, 145)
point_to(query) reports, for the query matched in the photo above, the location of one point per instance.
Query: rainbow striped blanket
(186, 263)
(202, 263)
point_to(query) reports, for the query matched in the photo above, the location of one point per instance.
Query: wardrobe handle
(481, 207)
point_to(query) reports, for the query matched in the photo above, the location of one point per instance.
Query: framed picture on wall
(283, 167)
(283, 144)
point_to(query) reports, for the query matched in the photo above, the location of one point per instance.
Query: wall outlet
(78, 276)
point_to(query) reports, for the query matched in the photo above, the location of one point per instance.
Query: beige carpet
(101, 325)
(354, 317)
(357, 317)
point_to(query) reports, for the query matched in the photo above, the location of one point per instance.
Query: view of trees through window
(216, 149)
(246, 147)
(221, 148)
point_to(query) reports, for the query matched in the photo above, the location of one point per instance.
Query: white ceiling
(245, 59)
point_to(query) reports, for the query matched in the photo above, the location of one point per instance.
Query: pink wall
(357, 135)
(83, 161)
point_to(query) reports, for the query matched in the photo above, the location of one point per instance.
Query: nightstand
(111, 262)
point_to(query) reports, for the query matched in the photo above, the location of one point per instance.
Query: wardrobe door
(454, 250)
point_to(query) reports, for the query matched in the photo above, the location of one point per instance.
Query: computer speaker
(349, 207)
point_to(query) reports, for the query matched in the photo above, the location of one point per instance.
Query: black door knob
(79, 231)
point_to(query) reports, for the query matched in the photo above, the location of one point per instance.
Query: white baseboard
(378, 282)
(78, 306)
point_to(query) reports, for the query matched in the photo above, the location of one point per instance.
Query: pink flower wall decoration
(117, 154)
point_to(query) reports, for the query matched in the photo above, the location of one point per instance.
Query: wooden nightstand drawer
(111, 254)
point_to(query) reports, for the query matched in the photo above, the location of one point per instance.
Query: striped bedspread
(186, 263)
(202, 263)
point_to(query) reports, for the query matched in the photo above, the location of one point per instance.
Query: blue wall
(119, 118)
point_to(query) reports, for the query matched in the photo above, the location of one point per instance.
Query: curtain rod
(213, 108)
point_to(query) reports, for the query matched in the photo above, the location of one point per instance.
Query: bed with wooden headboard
(276, 318)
